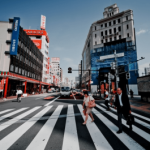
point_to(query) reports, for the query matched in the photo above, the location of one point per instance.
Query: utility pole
(116, 69)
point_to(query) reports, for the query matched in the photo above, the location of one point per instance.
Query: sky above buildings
(68, 23)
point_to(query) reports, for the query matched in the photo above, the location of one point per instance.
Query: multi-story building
(41, 40)
(21, 62)
(55, 70)
(147, 71)
(114, 32)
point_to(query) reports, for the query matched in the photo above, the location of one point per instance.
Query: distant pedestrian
(107, 99)
(88, 110)
(123, 108)
(19, 93)
(131, 93)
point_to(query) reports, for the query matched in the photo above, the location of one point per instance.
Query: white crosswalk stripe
(12, 113)
(70, 139)
(2, 112)
(137, 130)
(136, 120)
(70, 136)
(99, 140)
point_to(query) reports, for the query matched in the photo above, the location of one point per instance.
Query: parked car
(65, 91)
(50, 90)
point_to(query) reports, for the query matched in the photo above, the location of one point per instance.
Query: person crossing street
(19, 93)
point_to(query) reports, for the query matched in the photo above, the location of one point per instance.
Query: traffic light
(127, 76)
(69, 70)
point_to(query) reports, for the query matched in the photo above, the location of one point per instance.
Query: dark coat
(126, 105)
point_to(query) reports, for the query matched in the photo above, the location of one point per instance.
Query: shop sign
(15, 36)
(43, 22)
(111, 56)
(55, 59)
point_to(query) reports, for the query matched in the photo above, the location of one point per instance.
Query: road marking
(140, 116)
(43, 135)
(126, 140)
(16, 134)
(12, 121)
(99, 140)
(2, 112)
(70, 141)
(136, 120)
(73, 96)
(137, 130)
(12, 113)
(52, 101)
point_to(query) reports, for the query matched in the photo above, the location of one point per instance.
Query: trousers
(106, 103)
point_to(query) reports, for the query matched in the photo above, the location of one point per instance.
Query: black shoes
(119, 131)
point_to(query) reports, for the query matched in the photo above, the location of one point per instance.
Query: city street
(50, 122)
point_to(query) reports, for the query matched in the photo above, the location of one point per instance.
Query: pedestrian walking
(19, 93)
(88, 109)
(131, 93)
(123, 108)
(107, 99)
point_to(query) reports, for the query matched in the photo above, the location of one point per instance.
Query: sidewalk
(136, 103)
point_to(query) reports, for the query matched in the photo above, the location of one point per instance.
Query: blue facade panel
(130, 55)
(15, 36)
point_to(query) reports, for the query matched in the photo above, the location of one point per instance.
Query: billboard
(35, 32)
(55, 59)
(38, 43)
(15, 36)
(43, 22)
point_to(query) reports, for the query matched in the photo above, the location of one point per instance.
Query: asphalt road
(51, 122)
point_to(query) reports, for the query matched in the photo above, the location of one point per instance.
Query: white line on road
(126, 140)
(137, 130)
(52, 101)
(70, 141)
(16, 134)
(2, 112)
(12, 113)
(98, 138)
(41, 139)
(12, 121)
(136, 120)
(73, 96)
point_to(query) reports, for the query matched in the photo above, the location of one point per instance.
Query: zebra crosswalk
(39, 125)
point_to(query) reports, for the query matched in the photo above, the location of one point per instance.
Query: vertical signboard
(43, 22)
(15, 36)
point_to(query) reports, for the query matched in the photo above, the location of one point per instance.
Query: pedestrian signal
(127, 76)
(69, 70)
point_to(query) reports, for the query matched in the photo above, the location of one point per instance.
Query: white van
(65, 91)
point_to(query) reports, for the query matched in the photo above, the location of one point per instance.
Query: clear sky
(68, 23)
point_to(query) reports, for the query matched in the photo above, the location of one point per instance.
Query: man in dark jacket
(123, 108)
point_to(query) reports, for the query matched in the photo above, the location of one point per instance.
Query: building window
(109, 31)
(95, 43)
(105, 32)
(118, 20)
(22, 72)
(112, 13)
(106, 40)
(101, 41)
(114, 22)
(101, 33)
(95, 35)
(127, 26)
(128, 35)
(119, 37)
(126, 17)
(110, 39)
(95, 27)
(119, 28)
(105, 24)
(109, 23)
(114, 30)
(115, 38)
(19, 70)
(101, 25)
(16, 69)
(11, 67)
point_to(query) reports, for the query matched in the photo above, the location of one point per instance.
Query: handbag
(130, 120)
(92, 103)
(84, 112)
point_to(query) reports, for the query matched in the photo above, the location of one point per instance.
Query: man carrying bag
(19, 93)
(123, 108)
